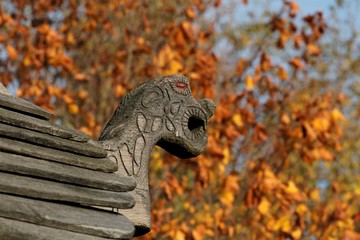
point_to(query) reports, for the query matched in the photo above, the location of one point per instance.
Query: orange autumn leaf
(241, 65)
(217, 3)
(73, 108)
(321, 124)
(282, 74)
(294, 8)
(313, 49)
(27, 61)
(83, 94)
(190, 13)
(11, 51)
(81, 77)
(285, 119)
(297, 63)
(326, 154)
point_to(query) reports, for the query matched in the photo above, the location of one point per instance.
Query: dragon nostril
(195, 123)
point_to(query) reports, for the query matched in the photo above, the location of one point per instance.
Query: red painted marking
(181, 85)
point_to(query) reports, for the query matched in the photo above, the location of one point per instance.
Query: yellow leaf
(291, 188)
(174, 67)
(249, 82)
(321, 124)
(237, 120)
(73, 108)
(264, 206)
(283, 223)
(179, 235)
(27, 61)
(11, 51)
(301, 209)
(296, 234)
(226, 153)
(315, 195)
(337, 115)
(227, 198)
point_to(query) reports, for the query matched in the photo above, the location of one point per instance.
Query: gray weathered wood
(39, 125)
(82, 220)
(43, 189)
(159, 112)
(3, 90)
(64, 173)
(28, 149)
(16, 230)
(51, 141)
(21, 105)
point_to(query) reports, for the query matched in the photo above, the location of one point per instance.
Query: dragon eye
(181, 87)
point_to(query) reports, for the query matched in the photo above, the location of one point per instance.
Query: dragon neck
(131, 150)
(132, 146)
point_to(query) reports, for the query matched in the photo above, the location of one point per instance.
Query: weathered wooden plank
(37, 138)
(27, 149)
(21, 105)
(43, 189)
(39, 125)
(64, 173)
(16, 230)
(83, 220)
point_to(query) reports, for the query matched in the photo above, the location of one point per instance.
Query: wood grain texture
(54, 155)
(16, 230)
(42, 139)
(23, 106)
(39, 125)
(64, 173)
(43, 189)
(83, 220)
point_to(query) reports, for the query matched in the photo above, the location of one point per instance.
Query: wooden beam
(43, 189)
(83, 220)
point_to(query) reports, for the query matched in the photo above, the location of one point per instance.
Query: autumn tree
(281, 161)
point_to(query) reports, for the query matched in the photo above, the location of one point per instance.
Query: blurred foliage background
(282, 159)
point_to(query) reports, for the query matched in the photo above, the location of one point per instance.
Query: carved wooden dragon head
(159, 112)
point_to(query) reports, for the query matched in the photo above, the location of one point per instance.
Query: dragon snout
(208, 106)
(195, 119)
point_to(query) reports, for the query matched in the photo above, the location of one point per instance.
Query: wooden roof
(54, 184)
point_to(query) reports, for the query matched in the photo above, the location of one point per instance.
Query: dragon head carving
(165, 108)
(159, 112)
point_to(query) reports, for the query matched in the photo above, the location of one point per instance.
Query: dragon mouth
(194, 123)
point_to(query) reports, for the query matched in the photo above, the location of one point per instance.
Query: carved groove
(125, 156)
(138, 153)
